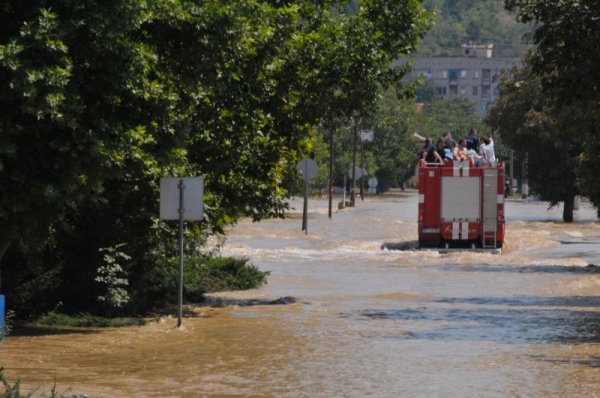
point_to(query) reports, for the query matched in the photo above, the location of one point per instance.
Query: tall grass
(14, 390)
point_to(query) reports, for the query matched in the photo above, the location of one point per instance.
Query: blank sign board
(193, 198)
(308, 168)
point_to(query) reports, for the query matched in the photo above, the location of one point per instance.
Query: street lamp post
(365, 135)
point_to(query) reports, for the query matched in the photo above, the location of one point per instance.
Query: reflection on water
(345, 315)
(506, 325)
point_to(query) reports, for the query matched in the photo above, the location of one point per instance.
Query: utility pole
(362, 167)
(354, 161)
(512, 173)
(330, 187)
(524, 187)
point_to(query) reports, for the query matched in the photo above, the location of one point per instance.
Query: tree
(566, 54)
(455, 114)
(426, 92)
(87, 125)
(565, 60)
(530, 122)
(394, 149)
(100, 99)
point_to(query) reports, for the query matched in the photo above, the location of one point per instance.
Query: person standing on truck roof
(487, 151)
(451, 146)
(436, 153)
(424, 149)
(472, 140)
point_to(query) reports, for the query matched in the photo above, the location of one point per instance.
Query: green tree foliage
(102, 98)
(426, 92)
(391, 156)
(111, 276)
(531, 123)
(394, 148)
(479, 21)
(565, 60)
(566, 37)
(454, 114)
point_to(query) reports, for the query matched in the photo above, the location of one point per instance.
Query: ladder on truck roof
(489, 240)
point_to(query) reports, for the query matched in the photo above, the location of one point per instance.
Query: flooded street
(356, 319)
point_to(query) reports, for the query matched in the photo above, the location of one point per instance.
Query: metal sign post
(181, 211)
(345, 186)
(181, 198)
(305, 208)
(353, 162)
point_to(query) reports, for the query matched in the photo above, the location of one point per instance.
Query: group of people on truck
(479, 151)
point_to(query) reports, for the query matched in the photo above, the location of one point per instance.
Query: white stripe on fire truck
(465, 231)
(465, 168)
(455, 230)
(455, 168)
(500, 198)
(421, 198)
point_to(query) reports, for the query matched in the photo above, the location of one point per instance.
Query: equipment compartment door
(461, 198)
(430, 181)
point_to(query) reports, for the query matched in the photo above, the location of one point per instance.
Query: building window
(445, 74)
(463, 91)
(476, 74)
(463, 73)
(475, 91)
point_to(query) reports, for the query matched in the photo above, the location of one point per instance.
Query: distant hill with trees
(478, 21)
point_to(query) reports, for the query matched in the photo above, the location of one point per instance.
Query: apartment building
(472, 75)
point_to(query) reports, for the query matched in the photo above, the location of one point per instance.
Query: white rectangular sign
(367, 135)
(193, 198)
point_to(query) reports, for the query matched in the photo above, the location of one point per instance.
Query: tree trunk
(4, 244)
(568, 208)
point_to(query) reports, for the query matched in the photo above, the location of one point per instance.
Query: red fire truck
(461, 206)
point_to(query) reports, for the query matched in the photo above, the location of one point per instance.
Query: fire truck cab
(461, 206)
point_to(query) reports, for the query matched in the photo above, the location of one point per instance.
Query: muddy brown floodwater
(360, 320)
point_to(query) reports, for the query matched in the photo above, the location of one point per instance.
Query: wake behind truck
(461, 206)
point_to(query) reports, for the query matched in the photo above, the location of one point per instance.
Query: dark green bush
(203, 274)
(54, 318)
